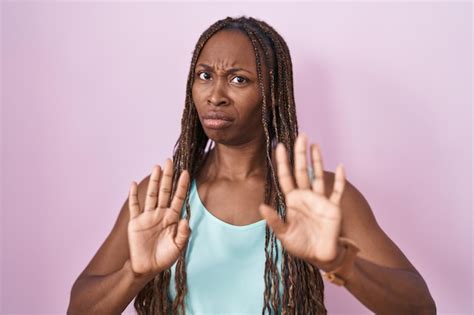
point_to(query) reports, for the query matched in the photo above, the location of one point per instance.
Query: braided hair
(303, 288)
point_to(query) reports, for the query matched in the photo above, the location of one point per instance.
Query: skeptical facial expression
(226, 92)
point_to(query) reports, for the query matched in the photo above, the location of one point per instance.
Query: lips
(217, 115)
(216, 120)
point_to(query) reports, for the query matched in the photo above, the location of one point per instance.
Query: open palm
(156, 236)
(313, 221)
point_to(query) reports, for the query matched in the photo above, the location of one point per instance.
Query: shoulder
(356, 211)
(351, 194)
(360, 225)
(124, 215)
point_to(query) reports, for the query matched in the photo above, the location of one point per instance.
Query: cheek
(196, 95)
(250, 107)
(255, 101)
(249, 97)
(199, 93)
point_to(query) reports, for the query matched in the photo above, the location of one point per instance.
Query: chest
(233, 203)
(225, 266)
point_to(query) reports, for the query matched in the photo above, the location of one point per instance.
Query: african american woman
(239, 211)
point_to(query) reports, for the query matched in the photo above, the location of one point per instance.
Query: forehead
(230, 48)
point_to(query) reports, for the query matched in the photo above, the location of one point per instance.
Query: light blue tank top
(225, 264)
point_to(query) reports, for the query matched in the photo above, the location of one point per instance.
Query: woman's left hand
(313, 221)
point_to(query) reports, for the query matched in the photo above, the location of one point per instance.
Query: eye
(204, 75)
(240, 80)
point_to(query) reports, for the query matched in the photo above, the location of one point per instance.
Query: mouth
(216, 123)
(216, 120)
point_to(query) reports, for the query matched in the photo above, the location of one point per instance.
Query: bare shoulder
(114, 251)
(354, 205)
(124, 214)
(359, 223)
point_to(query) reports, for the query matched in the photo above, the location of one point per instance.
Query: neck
(236, 163)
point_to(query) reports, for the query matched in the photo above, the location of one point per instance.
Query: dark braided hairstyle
(303, 288)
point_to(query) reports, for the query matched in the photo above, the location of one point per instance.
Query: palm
(313, 221)
(156, 238)
(310, 231)
(151, 243)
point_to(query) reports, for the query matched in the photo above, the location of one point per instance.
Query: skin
(329, 207)
(148, 236)
(233, 174)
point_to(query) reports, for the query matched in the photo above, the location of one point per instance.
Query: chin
(219, 136)
(228, 136)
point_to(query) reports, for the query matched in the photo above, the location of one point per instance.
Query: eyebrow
(231, 70)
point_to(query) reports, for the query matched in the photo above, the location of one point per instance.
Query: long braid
(302, 283)
(275, 281)
(302, 269)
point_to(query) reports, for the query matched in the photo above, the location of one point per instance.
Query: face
(226, 91)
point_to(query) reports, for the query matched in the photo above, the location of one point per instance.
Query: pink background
(92, 96)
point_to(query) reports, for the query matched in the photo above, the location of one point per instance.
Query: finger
(273, 220)
(152, 190)
(283, 169)
(339, 184)
(301, 169)
(165, 185)
(180, 195)
(182, 234)
(133, 204)
(317, 161)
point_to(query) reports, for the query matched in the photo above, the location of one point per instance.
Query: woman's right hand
(156, 235)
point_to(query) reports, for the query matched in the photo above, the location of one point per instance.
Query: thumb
(273, 219)
(182, 234)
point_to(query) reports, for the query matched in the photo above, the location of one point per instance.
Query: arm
(108, 284)
(381, 278)
(326, 207)
(106, 294)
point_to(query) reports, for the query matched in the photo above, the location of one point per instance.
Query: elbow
(421, 308)
(424, 306)
(77, 303)
(419, 304)
(72, 309)
(428, 308)
(74, 306)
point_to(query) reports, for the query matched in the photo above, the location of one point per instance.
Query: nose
(218, 95)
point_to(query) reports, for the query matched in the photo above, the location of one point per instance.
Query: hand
(155, 237)
(313, 222)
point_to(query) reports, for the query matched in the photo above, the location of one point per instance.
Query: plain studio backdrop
(92, 97)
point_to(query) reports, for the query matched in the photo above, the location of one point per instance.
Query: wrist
(137, 277)
(334, 263)
(341, 270)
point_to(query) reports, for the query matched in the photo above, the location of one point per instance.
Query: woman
(239, 190)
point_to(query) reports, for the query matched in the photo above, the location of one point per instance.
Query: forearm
(109, 294)
(389, 291)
